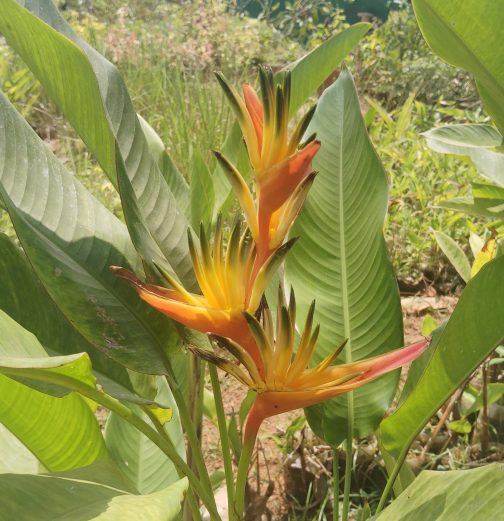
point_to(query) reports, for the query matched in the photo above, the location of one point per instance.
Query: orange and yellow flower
(227, 282)
(281, 165)
(287, 381)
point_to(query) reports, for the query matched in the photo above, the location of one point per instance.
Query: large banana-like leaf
(61, 432)
(307, 75)
(474, 330)
(468, 35)
(450, 496)
(146, 466)
(90, 494)
(71, 239)
(479, 142)
(93, 96)
(24, 299)
(341, 259)
(14, 456)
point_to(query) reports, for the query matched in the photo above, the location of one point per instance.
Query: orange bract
(285, 381)
(227, 281)
(281, 166)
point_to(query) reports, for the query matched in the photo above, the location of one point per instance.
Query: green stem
(191, 498)
(391, 480)
(349, 459)
(254, 421)
(335, 484)
(187, 424)
(127, 414)
(226, 449)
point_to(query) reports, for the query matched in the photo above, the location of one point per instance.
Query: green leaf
(202, 192)
(36, 419)
(341, 260)
(175, 180)
(450, 496)
(146, 466)
(25, 300)
(455, 255)
(478, 207)
(486, 191)
(71, 240)
(495, 391)
(307, 75)
(468, 35)
(479, 142)
(404, 117)
(14, 456)
(473, 331)
(91, 93)
(80, 496)
(309, 72)
(429, 324)
(462, 426)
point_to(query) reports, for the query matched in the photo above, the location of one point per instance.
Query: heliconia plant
(94, 310)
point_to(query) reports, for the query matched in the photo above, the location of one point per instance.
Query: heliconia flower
(286, 381)
(280, 165)
(228, 286)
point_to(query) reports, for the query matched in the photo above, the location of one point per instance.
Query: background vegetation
(167, 53)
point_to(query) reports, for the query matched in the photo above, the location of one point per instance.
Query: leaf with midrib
(37, 419)
(92, 95)
(94, 493)
(146, 466)
(453, 495)
(24, 299)
(71, 240)
(468, 35)
(341, 260)
(473, 331)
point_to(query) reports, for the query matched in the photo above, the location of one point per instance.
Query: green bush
(419, 180)
(395, 60)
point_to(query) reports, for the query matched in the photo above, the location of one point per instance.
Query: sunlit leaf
(474, 330)
(341, 260)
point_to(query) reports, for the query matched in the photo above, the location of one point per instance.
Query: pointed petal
(243, 117)
(267, 270)
(242, 191)
(290, 210)
(262, 341)
(242, 356)
(255, 110)
(222, 363)
(283, 345)
(376, 366)
(284, 177)
(300, 130)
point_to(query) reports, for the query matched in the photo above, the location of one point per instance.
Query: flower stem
(187, 424)
(349, 459)
(335, 484)
(226, 449)
(191, 498)
(254, 421)
(391, 480)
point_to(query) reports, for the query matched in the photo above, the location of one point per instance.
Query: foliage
(445, 495)
(347, 163)
(307, 22)
(75, 333)
(419, 181)
(395, 60)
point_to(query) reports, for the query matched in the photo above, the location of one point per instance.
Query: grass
(169, 74)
